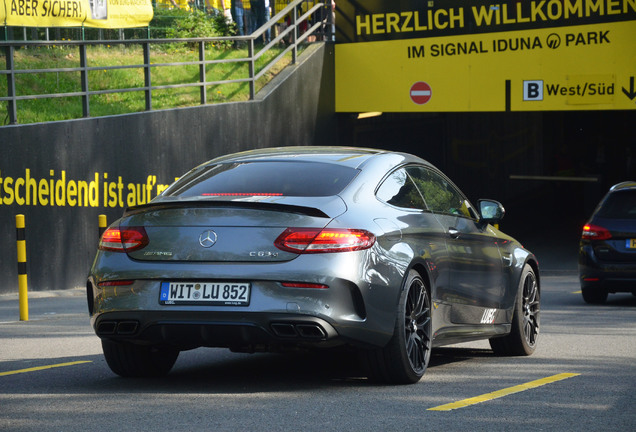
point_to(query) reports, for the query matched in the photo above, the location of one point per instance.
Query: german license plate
(205, 293)
(630, 244)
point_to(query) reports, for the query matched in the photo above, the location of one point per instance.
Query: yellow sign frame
(581, 67)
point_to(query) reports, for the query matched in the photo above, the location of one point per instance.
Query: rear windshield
(264, 179)
(619, 205)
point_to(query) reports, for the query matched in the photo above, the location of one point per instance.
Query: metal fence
(306, 24)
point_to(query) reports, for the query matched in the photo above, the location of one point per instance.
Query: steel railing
(313, 21)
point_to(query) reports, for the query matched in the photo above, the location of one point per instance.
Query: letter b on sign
(533, 90)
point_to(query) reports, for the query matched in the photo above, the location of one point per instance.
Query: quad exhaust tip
(117, 328)
(296, 330)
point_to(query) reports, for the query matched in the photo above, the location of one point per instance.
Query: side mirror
(490, 211)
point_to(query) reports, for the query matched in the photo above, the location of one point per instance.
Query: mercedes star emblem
(207, 238)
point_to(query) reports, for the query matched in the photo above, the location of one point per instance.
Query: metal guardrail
(312, 20)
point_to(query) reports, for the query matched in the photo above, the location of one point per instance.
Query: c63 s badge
(263, 254)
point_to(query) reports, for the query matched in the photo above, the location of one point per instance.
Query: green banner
(76, 13)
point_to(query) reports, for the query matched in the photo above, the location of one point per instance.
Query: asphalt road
(582, 378)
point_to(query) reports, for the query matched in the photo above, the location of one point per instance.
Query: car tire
(405, 358)
(131, 360)
(594, 295)
(524, 332)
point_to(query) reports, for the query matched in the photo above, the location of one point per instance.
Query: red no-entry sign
(421, 92)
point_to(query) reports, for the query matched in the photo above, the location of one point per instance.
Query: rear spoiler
(288, 208)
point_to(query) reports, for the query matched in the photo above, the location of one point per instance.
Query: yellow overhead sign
(76, 13)
(486, 57)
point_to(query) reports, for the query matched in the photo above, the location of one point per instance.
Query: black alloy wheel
(405, 358)
(524, 332)
(417, 326)
(531, 307)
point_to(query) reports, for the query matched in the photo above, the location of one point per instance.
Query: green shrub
(178, 23)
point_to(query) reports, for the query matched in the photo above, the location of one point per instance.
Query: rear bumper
(187, 330)
(612, 277)
(276, 317)
(357, 307)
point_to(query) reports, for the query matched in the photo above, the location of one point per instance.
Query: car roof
(629, 185)
(352, 157)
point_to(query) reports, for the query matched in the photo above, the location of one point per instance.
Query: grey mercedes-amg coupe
(307, 248)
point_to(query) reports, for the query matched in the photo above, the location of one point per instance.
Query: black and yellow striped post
(22, 268)
(102, 223)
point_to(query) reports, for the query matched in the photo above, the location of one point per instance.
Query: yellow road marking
(39, 368)
(503, 392)
(576, 292)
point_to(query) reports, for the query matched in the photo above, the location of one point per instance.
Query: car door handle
(453, 232)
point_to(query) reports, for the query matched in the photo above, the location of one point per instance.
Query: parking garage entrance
(548, 169)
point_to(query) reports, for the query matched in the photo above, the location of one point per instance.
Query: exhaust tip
(127, 327)
(284, 330)
(123, 328)
(299, 330)
(106, 328)
(311, 331)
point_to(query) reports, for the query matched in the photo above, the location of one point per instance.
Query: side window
(440, 195)
(399, 190)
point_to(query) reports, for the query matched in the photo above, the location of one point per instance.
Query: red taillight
(123, 239)
(595, 232)
(115, 283)
(315, 240)
(304, 285)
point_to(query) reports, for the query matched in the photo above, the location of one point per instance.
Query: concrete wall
(121, 160)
